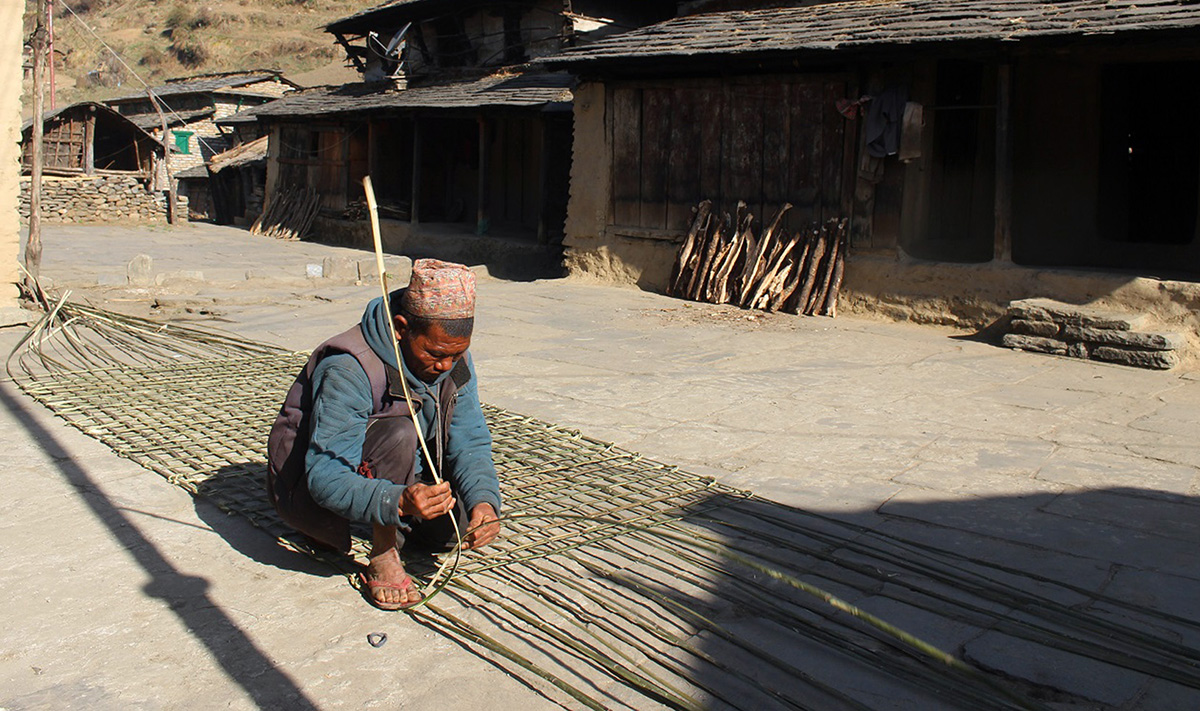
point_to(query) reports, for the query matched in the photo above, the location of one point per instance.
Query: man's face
(429, 353)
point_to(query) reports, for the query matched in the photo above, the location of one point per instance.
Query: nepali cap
(440, 290)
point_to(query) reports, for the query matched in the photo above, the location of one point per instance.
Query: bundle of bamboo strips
(722, 262)
(290, 215)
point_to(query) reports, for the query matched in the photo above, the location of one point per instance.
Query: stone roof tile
(864, 23)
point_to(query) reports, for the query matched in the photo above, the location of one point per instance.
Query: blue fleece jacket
(341, 407)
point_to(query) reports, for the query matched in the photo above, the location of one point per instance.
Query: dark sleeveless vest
(287, 479)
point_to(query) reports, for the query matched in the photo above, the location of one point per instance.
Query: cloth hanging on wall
(885, 116)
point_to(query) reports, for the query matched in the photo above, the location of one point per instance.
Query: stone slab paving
(126, 593)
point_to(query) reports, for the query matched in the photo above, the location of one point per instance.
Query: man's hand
(483, 528)
(426, 501)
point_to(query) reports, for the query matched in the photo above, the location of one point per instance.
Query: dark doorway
(1149, 153)
(956, 185)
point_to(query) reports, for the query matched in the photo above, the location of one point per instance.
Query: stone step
(1069, 314)
(1048, 326)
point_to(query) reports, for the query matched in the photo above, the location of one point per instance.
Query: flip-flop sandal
(370, 586)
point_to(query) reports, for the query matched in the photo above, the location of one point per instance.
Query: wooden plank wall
(515, 171)
(62, 145)
(762, 140)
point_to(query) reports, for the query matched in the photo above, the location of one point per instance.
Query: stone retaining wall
(99, 199)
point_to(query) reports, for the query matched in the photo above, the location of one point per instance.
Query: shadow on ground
(750, 604)
(186, 596)
(1079, 601)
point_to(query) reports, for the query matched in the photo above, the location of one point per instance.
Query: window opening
(183, 142)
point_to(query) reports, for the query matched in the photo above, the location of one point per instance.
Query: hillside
(160, 39)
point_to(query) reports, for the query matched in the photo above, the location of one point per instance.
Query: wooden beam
(33, 246)
(543, 179)
(344, 168)
(414, 213)
(485, 184)
(89, 142)
(166, 143)
(1004, 164)
(350, 53)
(372, 140)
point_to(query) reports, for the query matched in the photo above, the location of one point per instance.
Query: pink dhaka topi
(440, 290)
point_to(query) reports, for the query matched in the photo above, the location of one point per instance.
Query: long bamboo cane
(408, 399)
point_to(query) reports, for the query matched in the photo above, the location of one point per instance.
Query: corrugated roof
(863, 23)
(203, 85)
(516, 90)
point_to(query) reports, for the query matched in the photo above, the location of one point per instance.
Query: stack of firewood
(722, 262)
(290, 215)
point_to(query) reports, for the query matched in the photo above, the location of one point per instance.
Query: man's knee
(389, 449)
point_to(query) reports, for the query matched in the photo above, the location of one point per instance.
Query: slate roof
(28, 123)
(384, 10)
(246, 154)
(512, 90)
(879, 23)
(249, 115)
(174, 118)
(196, 172)
(204, 85)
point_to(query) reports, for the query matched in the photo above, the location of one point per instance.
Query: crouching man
(344, 446)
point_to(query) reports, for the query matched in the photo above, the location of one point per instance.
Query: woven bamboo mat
(203, 426)
(619, 581)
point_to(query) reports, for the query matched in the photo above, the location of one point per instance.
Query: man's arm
(341, 406)
(469, 451)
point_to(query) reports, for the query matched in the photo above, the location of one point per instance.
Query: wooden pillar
(414, 213)
(89, 142)
(485, 184)
(345, 167)
(166, 143)
(33, 246)
(274, 151)
(543, 177)
(372, 137)
(1004, 164)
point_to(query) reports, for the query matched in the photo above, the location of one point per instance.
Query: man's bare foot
(388, 584)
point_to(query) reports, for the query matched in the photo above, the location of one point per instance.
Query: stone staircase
(1048, 326)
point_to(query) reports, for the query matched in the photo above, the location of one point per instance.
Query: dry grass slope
(161, 39)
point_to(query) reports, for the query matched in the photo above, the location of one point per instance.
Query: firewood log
(747, 243)
(817, 300)
(829, 307)
(682, 259)
(806, 239)
(733, 264)
(767, 286)
(757, 267)
(778, 281)
(703, 270)
(808, 282)
(695, 276)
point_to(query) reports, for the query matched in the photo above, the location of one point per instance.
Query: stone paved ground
(125, 593)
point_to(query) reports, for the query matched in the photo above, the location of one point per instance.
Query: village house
(230, 189)
(467, 144)
(980, 151)
(192, 106)
(98, 166)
